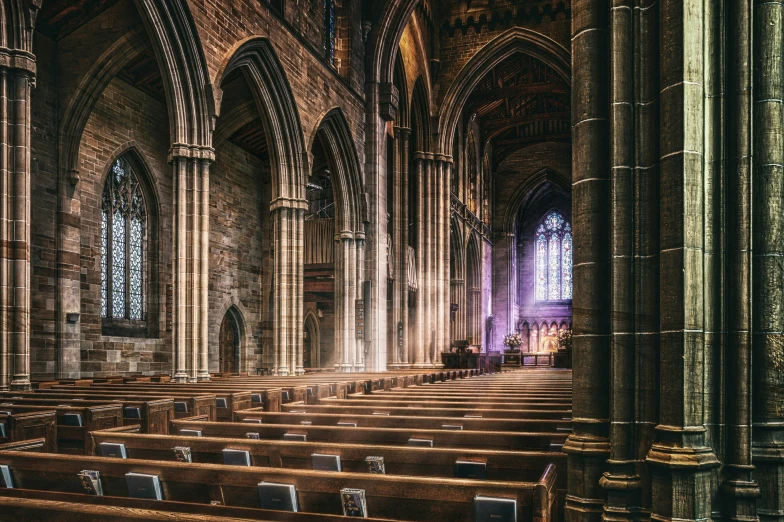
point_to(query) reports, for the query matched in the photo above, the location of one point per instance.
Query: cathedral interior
(527, 253)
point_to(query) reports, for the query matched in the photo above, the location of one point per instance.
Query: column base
(299, 371)
(398, 366)
(21, 385)
(180, 377)
(418, 366)
(283, 371)
(203, 376)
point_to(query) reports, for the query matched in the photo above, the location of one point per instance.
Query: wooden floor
(509, 428)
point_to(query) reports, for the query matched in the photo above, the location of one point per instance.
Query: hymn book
(113, 449)
(5, 476)
(73, 419)
(252, 435)
(323, 462)
(91, 482)
(220, 402)
(280, 497)
(347, 423)
(141, 485)
(254, 421)
(489, 509)
(423, 443)
(235, 457)
(192, 433)
(180, 407)
(132, 412)
(375, 465)
(182, 454)
(300, 437)
(306, 423)
(354, 502)
(470, 470)
(3, 431)
(255, 397)
(457, 427)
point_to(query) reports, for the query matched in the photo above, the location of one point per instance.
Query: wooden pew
(522, 466)
(31, 425)
(393, 436)
(156, 413)
(34, 445)
(25, 504)
(409, 498)
(75, 439)
(407, 422)
(443, 411)
(499, 404)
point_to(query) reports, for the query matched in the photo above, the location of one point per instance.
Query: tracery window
(553, 258)
(123, 237)
(329, 31)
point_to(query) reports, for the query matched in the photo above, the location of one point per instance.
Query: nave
(460, 445)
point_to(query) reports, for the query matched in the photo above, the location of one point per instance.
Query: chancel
(416, 260)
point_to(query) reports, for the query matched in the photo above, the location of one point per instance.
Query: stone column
(768, 256)
(288, 221)
(402, 212)
(191, 167)
(17, 75)
(400, 244)
(739, 489)
(680, 460)
(358, 249)
(588, 444)
(621, 482)
(381, 106)
(427, 282)
(420, 326)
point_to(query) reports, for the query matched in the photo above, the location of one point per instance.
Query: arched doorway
(229, 361)
(311, 351)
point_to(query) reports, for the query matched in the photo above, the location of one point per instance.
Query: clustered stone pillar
(17, 76)
(288, 276)
(190, 261)
(678, 396)
(768, 269)
(588, 445)
(399, 358)
(348, 349)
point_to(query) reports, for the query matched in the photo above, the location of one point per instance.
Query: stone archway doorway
(229, 343)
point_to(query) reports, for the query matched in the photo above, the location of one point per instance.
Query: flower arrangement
(565, 340)
(513, 340)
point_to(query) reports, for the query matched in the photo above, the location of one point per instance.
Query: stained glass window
(553, 245)
(329, 31)
(123, 221)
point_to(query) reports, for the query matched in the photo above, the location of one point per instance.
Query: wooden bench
(407, 422)
(443, 411)
(541, 441)
(155, 413)
(25, 504)
(31, 425)
(75, 439)
(409, 498)
(523, 466)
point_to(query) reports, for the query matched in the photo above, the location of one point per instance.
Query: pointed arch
(335, 136)
(313, 328)
(529, 192)
(401, 83)
(420, 117)
(456, 250)
(514, 40)
(185, 78)
(384, 39)
(233, 305)
(275, 103)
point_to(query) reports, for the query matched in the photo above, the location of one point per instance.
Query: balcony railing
(461, 210)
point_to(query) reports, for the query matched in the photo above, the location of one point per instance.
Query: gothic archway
(230, 342)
